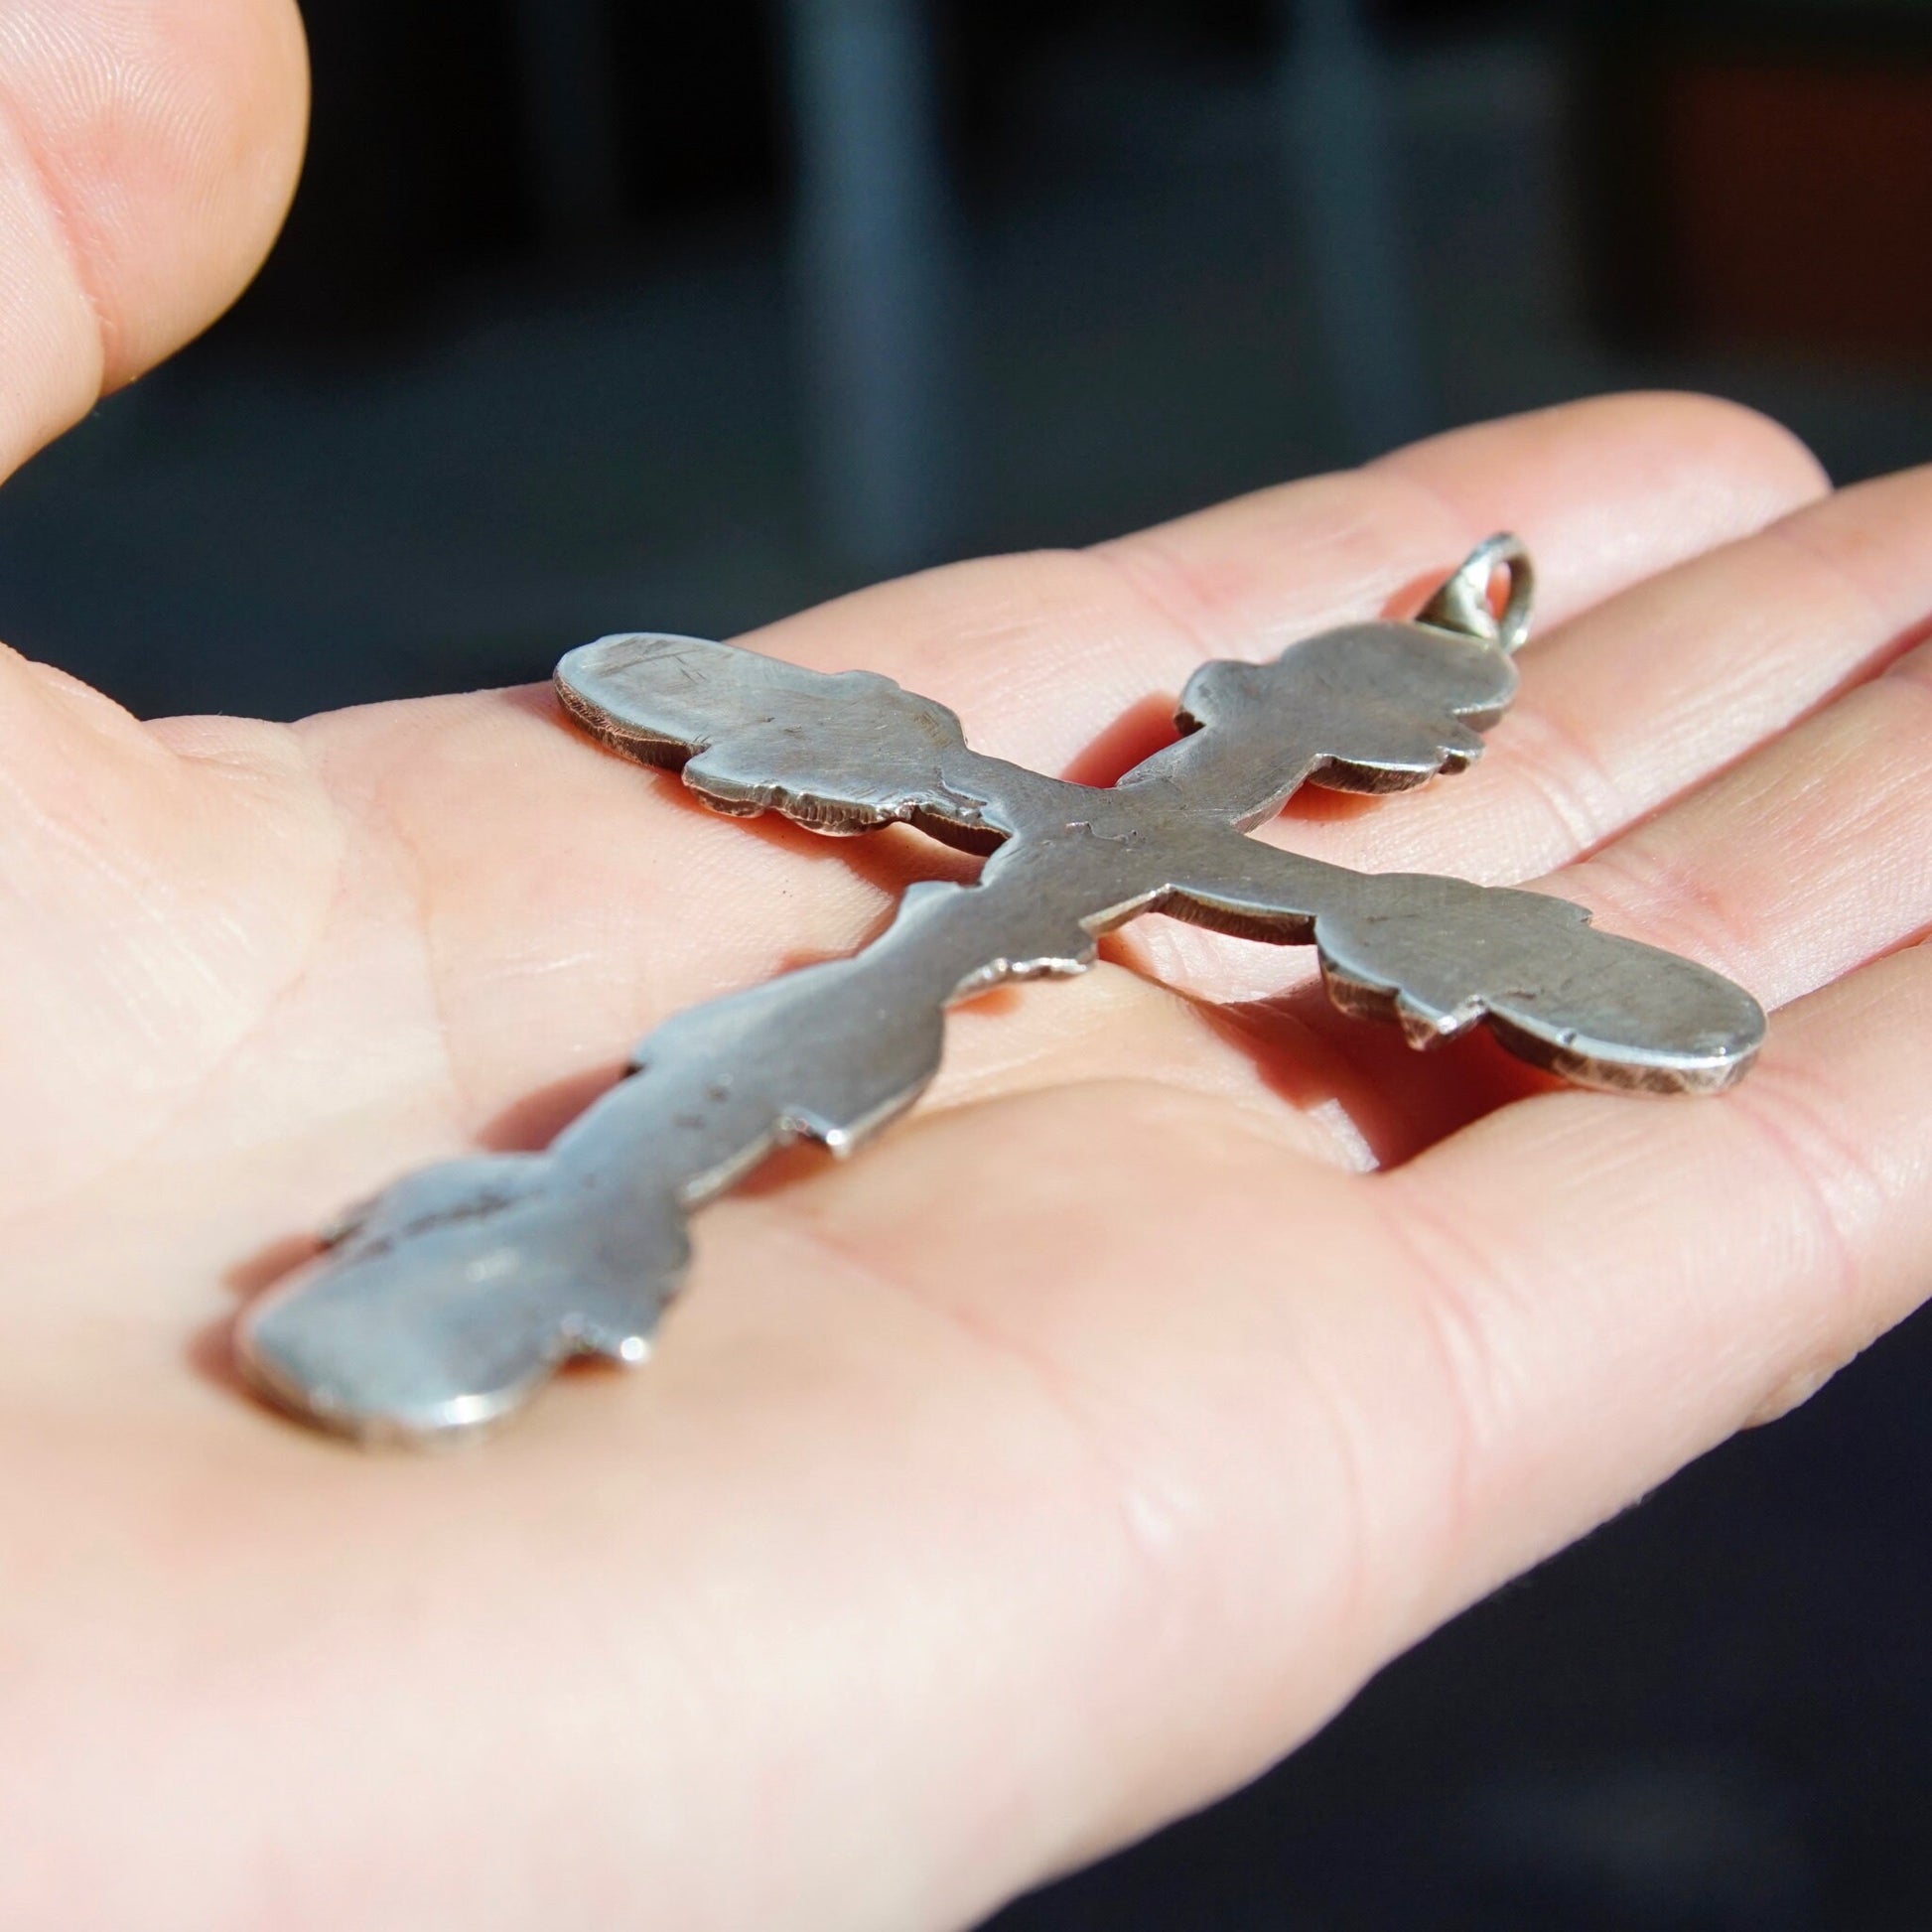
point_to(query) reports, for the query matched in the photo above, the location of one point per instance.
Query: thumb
(148, 151)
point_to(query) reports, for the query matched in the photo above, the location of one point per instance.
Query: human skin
(1085, 1445)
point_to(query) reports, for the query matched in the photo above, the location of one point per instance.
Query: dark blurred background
(596, 314)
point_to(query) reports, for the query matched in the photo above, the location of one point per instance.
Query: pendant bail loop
(1463, 605)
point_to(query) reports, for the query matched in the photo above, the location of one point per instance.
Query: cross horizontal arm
(839, 751)
(1437, 956)
(1369, 707)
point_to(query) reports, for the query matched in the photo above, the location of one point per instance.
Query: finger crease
(1657, 894)
(1563, 770)
(1827, 1172)
(71, 237)
(1443, 1261)
(1059, 1390)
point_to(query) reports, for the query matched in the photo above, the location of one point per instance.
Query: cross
(447, 1301)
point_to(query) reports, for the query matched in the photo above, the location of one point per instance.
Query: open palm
(1082, 1447)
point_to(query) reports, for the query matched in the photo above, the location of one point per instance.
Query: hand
(1082, 1447)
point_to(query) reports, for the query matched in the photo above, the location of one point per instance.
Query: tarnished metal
(449, 1300)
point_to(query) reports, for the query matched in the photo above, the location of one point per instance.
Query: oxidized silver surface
(452, 1298)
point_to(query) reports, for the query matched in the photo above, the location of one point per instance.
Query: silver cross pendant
(447, 1301)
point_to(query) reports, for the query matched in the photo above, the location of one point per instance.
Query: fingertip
(148, 153)
(1671, 423)
(1613, 489)
(255, 70)
(209, 109)
(1762, 454)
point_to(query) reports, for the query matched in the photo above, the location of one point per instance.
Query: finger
(1764, 1238)
(147, 154)
(1807, 862)
(1631, 1285)
(1680, 675)
(1809, 856)
(1802, 860)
